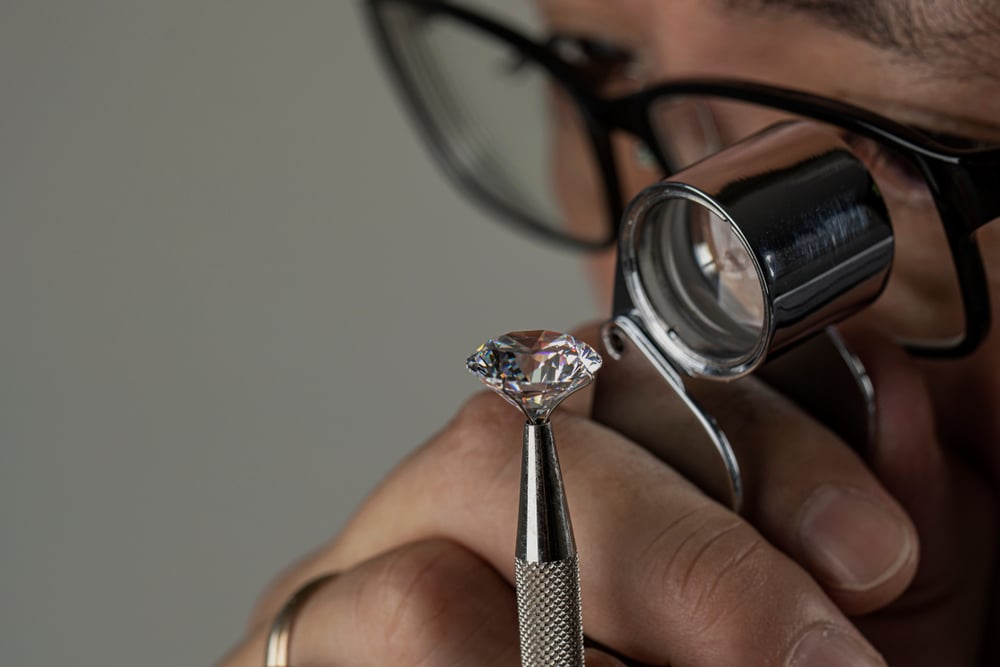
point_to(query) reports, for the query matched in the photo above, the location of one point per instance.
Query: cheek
(922, 299)
(580, 191)
(601, 271)
(637, 167)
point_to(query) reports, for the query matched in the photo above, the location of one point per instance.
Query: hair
(958, 36)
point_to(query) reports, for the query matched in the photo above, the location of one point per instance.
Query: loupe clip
(732, 267)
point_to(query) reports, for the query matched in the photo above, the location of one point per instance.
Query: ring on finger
(279, 638)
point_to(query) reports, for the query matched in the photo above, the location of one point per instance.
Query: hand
(926, 444)
(669, 576)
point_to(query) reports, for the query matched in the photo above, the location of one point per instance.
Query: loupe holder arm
(680, 432)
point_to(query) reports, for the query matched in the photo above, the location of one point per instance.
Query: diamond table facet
(535, 370)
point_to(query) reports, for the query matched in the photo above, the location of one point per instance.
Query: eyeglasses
(550, 135)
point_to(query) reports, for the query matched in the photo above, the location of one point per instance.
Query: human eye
(604, 66)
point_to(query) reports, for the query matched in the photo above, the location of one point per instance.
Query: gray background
(233, 291)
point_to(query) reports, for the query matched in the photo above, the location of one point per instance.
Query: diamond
(535, 370)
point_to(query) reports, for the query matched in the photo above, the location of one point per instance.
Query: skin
(837, 559)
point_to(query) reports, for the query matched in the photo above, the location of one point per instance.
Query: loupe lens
(754, 248)
(701, 279)
(727, 266)
(922, 303)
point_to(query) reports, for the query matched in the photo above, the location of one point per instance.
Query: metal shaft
(547, 572)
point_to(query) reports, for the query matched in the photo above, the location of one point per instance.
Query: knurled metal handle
(549, 614)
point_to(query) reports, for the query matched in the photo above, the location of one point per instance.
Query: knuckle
(411, 593)
(483, 429)
(715, 567)
(486, 413)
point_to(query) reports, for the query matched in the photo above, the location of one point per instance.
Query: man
(838, 558)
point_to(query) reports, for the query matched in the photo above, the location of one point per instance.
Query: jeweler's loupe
(754, 248)
(742, 256)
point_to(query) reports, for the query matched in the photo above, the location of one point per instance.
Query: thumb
(939, 618)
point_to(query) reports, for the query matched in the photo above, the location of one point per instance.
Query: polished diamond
(535, 370)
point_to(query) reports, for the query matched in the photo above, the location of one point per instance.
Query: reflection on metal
(546, 567)
(753, 249)
(663, 418)
(738, 265)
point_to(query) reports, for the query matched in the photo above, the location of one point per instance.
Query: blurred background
(234, 291)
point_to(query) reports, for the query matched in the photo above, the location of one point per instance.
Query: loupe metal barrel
(754, 248)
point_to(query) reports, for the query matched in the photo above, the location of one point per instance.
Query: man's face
(933, 64)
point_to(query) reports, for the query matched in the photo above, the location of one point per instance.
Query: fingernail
(851, 541)
(827, 647)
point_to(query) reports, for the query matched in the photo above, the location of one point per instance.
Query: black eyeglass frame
(965, 183)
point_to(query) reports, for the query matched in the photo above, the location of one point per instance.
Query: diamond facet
(535, 370)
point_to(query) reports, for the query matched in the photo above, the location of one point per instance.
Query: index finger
(668, 575)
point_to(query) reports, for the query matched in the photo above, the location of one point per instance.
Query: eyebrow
(956, 37)
(878, 22)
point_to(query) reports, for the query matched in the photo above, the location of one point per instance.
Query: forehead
(953, 37)
(958, 36)
(930, 63)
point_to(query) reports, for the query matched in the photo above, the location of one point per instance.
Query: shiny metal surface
(547, 572)
(544, 531)
(821, 375)
(804, 211)
(277, 652)
(549, 613)
(673, 426)
(807, 213)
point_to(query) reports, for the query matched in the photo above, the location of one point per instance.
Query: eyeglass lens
(504, 128)
(515, 138)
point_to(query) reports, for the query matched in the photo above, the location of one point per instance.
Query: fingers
(804, 489)
(950, 505)
(817, 500)
(433, 604)
(668, 575)
(430, 604)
